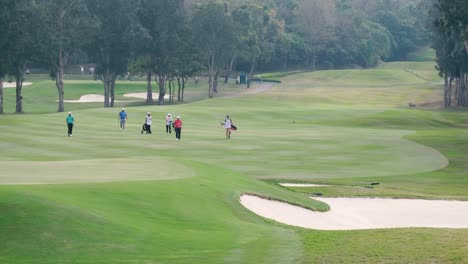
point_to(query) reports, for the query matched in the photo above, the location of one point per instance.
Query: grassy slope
(302, 131)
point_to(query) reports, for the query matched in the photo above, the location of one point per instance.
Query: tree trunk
(112, 91)
(19, 74)
(1, 96)
(162, 88)
(210, 85)
(215, 82)
(462, 91)
(251, 73)
(183, 88)
(106, 78)
(178, 88)
(106, 93)
(446, 91)
(211, 75)
(59, 82)
(466, 46)
(450, 91)
(229, 69)
(226, 74)
(170, 91)
(149, 93)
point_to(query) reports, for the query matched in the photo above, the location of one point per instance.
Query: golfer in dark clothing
(70, 121)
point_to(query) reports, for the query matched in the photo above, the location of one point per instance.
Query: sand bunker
(364, 213)
(143, 95)
(97, 98)
(302, 185)
(13, 85)
(89, 98)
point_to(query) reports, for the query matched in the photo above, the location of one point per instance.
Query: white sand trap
(364, 213)
(302, 185)
(143, 95)
(13, 85)
(89, 98)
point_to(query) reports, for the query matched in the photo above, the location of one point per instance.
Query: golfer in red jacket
(178, 127)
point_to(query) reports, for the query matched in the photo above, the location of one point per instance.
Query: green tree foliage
(110, 45)
(171, 40)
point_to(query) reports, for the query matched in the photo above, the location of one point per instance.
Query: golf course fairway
(112, 196)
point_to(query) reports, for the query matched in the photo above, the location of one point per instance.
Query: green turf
(110, 196)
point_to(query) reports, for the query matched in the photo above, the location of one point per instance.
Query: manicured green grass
(123, 197)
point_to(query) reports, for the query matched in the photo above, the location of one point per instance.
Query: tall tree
(163, 22)
(212, 27)
(70, 26)
(451, 30)
(4, 20)
(318, 22)
(25, 40)
(111, 42)
(261, 31)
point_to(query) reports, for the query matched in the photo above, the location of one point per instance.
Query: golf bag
(233, 127)
(143, 128)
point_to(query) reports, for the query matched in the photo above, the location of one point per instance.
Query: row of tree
(450, 29)
(170, 41)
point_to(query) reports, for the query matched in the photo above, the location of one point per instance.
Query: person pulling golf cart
(147, 125)
(229, 126)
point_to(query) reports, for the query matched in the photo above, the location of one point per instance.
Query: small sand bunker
(143, 95)
(302, 185)
(89, 98)
(364, 213)
(13, 85)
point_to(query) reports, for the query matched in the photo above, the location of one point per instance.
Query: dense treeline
(450, 28)
(170, 41)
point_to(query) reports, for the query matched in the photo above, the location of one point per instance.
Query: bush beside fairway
(300, 130)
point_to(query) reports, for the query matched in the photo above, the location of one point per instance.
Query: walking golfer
(169, 124)
(148, 123)
(227, 125)
(70, 121)
(123, 118)
(178, 127)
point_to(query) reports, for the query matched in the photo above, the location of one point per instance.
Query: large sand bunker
(89, 98)
(364, 213)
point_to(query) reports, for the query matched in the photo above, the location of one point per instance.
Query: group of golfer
(146, 128)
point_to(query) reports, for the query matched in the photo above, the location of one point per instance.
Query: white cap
(69, 113)
(149, 113)
(123, 109)
(169, 114)
(178, 117)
